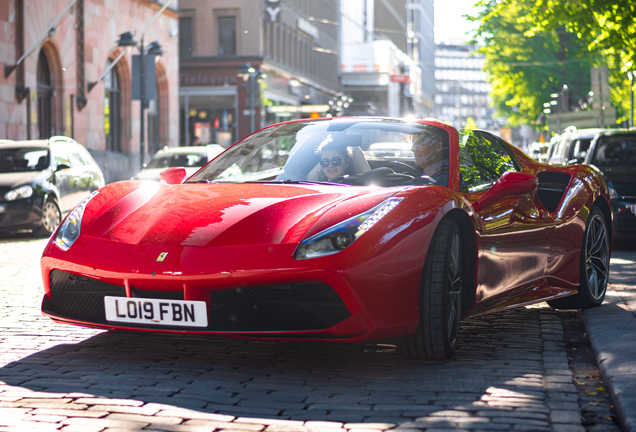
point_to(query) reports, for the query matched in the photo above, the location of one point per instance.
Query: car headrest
(6, 163)
(42, 163)
(359, 163)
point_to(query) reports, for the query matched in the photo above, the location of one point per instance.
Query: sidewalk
(612, 332)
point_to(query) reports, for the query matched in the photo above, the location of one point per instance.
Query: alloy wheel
(50, 217)
(597, 257)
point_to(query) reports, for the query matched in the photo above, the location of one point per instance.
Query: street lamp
(631, 77)
(250, 75)
(154, 48)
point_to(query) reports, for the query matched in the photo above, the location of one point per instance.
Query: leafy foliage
(608, 26)
(481, 162)
(527, 62)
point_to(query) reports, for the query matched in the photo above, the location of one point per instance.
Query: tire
(593, 266)
(440, 305)
(51, 218)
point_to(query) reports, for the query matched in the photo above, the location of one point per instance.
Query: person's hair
(431, 134)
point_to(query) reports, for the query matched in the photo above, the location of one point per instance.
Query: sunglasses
(336, 162)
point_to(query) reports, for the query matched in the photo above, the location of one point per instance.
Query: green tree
(525, 65)
(608, 26)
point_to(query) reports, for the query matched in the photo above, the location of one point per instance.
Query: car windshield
(169, 160)
(615, 150)
(338, 151)
(24, 159)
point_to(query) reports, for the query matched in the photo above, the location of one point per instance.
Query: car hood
(12, 180)
(137, 212)
(621, 177)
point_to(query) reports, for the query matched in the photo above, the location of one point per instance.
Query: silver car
(572, 146)
(191, 158)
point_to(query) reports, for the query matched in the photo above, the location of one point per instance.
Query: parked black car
(42, 179)
(613, 153)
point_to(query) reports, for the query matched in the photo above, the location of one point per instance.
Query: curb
(612, 334)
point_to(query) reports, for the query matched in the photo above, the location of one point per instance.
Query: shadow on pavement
(510, 368)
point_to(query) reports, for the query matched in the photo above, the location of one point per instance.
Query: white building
(462, 89)
(379, 57)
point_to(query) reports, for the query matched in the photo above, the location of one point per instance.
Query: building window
(185, 37)
(227, 36)
(112, 110)
(46, 126)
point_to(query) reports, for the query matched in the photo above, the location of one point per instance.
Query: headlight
(612, 192)
(19, 193)
(69, 231)
(340, 236)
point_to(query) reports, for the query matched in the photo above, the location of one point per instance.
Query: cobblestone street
(510, 373)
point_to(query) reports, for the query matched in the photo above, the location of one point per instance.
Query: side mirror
(176, 175)
(62, 167)
(510, 184)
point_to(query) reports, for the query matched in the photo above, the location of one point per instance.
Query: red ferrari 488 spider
(345, 229)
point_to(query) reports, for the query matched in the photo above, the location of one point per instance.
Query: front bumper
(624, 216)
(257, 292)
(20, 214)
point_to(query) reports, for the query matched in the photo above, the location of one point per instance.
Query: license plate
(156, 311)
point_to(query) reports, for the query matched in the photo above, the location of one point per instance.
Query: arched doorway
(45, 91)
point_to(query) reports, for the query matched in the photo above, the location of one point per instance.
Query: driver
(428, 149)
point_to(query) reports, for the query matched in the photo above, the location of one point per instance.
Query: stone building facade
(56, 89)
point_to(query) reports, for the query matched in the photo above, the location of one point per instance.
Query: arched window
(112, 110)
(46, 123)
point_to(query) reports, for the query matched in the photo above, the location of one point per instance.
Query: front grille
(624, 222)
(80, 298)
(286, 307)
(625, 189)
(272, 308)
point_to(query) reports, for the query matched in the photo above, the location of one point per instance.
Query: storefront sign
(272, 7)
(401, 79)
(202, 79)
(307, 27)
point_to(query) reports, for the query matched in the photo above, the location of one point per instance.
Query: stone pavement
(510, 374)
(612, 332)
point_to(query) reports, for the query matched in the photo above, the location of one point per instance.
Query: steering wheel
(403, 168)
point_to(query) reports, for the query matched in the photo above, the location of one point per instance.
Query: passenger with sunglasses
(334, 162)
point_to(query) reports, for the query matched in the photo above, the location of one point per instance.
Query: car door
(514, 242)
